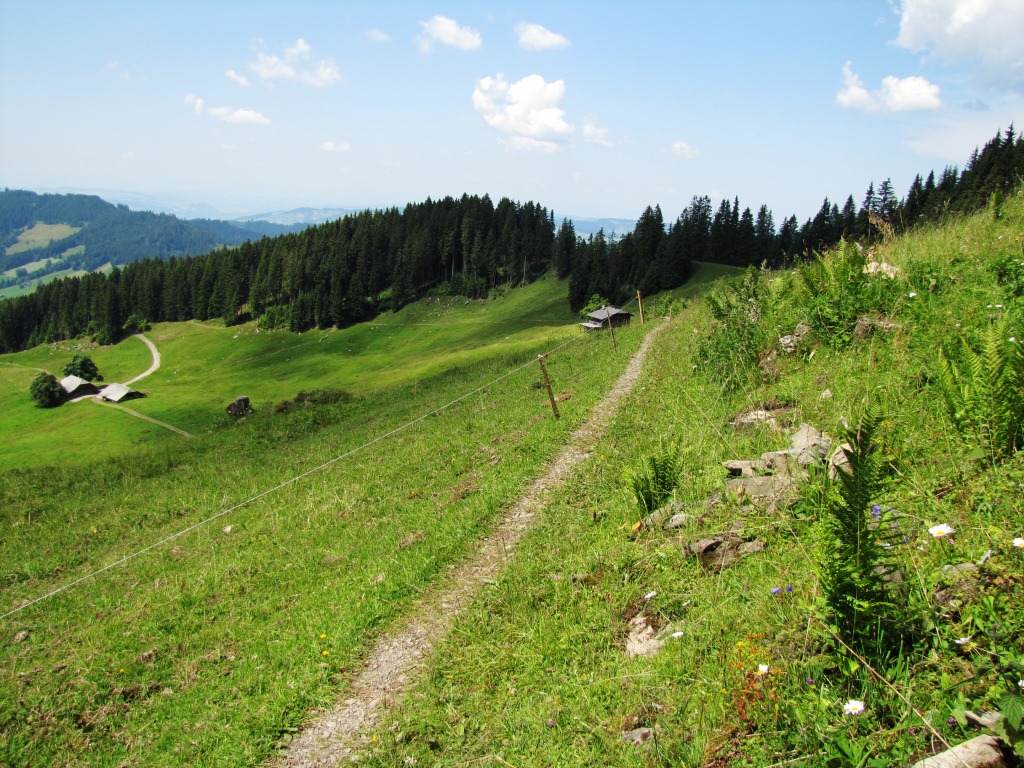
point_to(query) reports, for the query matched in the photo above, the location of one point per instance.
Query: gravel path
(156, 359)
(395, 662)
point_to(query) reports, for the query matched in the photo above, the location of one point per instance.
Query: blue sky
(589, 108)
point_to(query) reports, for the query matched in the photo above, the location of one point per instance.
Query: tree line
(657, 255)
(337, 273)
(346, 271)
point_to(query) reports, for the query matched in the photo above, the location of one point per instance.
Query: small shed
(115, 393)
(606, 317)
(76, 386)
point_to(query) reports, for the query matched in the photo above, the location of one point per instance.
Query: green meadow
(252, 567)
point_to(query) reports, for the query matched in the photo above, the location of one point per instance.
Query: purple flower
(895, 524)
(809, 681)
(789, 587)
(906, 539)
(876, 510)
(776, 590)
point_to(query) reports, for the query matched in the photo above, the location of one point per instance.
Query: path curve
(394, 663)
(156, 359)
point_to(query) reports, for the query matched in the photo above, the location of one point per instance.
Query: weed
(657, 478)
(983, 390)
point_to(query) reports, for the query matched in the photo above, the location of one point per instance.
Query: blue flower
(789, 587)
(876, 510)
(776, 590)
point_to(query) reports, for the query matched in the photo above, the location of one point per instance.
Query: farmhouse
(606, 317)
(115, 393)
(76, 386)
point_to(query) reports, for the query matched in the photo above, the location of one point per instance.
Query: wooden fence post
(640, 303)
(547, 383)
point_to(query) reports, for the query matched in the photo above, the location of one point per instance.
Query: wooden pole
(640, 303)
(611, 328)
(547, 383)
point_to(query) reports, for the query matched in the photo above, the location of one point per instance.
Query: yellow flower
(325, 653)
(323, 637)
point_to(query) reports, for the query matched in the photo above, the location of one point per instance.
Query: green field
(41, 234)
(276, 550)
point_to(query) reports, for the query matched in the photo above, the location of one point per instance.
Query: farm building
(606, 317)
(76, 386)
(115, 393)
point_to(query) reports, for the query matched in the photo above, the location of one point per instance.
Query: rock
(753, 418)
(642, 639)
(638, 736)
(676, 521)
(808, 445)
(984, 719)
(740, 467)
(959, 571)
(780, 463)
(750, 547)
(705, 545)
(868, 325)
(826, 395)
(982, 752)
(20, 637)
(839, 463)
(766, 492)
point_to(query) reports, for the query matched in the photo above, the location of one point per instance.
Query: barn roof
(602, 314)
(115, 393)
(71, 384)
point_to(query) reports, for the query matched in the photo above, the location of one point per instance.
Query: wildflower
(789, 587)
(853, 707)
(809, 681)
(650, 594)
(776, 590)
(964, 640)
(876, 510)
(325, 653)
(762, 669)
(895, 524)
(1020, 683)
(323, 637)
(941, 530)
(677, 634)
(1018, 542)
(913, 294)
(1013, 339)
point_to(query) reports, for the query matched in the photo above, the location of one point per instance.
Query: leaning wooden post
(547, 383)
(640, 303)
(611, 327)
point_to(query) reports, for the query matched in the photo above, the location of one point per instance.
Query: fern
(854, 552)
(983, 392)
(654, 482)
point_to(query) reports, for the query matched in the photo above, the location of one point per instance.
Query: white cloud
(682, 149)
(330, 146)
(527, 109)
(195, 102)
(897, 94)
(596, 135)
(441, 29)
(293, 66)
(377, 36)
(236, 78)
(534, 37)
(986, 31)
(228, 115)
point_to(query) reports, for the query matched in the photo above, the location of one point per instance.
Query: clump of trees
(45, 390)
(83, 367)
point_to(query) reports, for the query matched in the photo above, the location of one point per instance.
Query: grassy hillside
(755, 667)
(232, 632)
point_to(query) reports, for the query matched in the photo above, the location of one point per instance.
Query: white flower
(964, 640)
(1013, 339)
(649, 595)
(853, 707)
(940, 530)
(762, 669)
(913, 294)
(677, 634)
(1018, 542)
(1020, 683)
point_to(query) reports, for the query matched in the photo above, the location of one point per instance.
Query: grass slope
(212, 646)
(536, 673)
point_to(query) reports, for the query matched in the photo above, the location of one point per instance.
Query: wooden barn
(606, 317)
(116, 393)
(76, 386)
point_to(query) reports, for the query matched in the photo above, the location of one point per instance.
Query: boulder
(809, 446)
(981, 752)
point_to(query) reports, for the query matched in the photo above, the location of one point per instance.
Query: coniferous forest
(347, 271)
